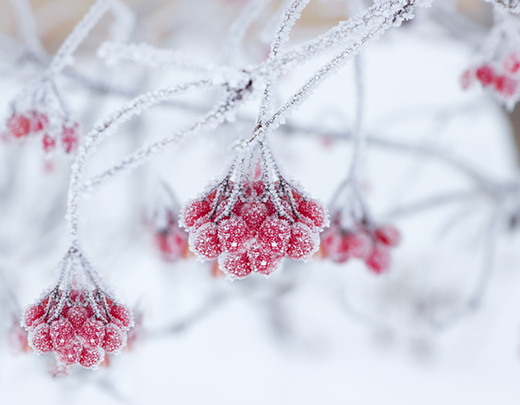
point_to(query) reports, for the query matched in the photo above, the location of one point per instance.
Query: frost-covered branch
(108, 126)
(64, 54)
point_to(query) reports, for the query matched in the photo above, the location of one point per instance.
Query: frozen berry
(485, 75)
(19, 125)
(115, 338)
(274, 235)
(204, 242)
(235, 264)
(194, 211)
(40, 339)
(91, 357)
(233, 234)
(304, 242)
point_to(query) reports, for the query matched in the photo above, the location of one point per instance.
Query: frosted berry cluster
(77, 326)
(499, 76)
(171, 241)
(33, 123)
(370, 244)
(251, 229)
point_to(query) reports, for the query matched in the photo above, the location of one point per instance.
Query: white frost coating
(289, 18)
(392, 18)
(146, 55)
(63, 56)
(345, 33)
(106, 127)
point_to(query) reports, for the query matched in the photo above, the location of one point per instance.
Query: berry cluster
(250, 229)
(79, 326)
(371, 244)
(32, 122)
(500, 76)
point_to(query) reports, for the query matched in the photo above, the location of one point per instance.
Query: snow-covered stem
(379, 17)
(238, 29)
(108, 126)
(147, 55)
(77, 36)
(27, 26)
(282, 36)
(311, 84)
(216, 116)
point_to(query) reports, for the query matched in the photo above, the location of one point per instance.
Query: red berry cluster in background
(370, 244)
(501, 76)
(29, 123)
(78, 329)
(249, 233)
(171, 241)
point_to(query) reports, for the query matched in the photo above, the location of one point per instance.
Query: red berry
(236, 265)
(485, 75)
(314, 211)
(387, 235)
(195, 210)
(274, 235)
(91, 357)
(39, 121)
(262, 261)
(357, 244)
(48, 143)
(62, 333)
(31, 314)
(70, 354)
(204, 242)
(115, 338)
(92, 333)
(233, 234)
(171, 243)
(77, 316)
(254, 214)
(511, 63)
(379, 259)
(70, 137)
(19, 125)
(505, 85)
(304, 242)
(40, 338)
(122, 315)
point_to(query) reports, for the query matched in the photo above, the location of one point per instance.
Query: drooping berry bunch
(32, 123)
(250, 226)
(168, 237)
(363, 241)
(354, 234)
(498, 67)
(78, 324)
